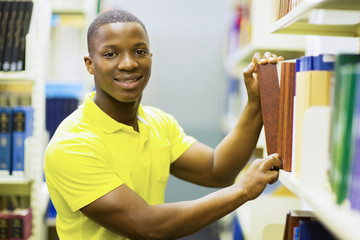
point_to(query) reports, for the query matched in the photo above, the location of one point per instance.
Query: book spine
(3, 28)
(24, 31)
(279, 141)
(21, 224)
(343, 142)
(17, 36)
(287, 128)
(22, 128)
(341, 59)
(5, 140)
(9, 43)
(354, 191)
(4, 226)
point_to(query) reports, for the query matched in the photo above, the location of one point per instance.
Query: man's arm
(219, 167)
(126, 213)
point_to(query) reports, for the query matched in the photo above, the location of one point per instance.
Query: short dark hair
(111, 16)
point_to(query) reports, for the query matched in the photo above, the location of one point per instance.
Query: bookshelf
(312, 186)
(31, 182)
(70, 20)
(301, 21)
(259, 40)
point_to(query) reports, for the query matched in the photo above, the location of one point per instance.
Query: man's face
(120, 61)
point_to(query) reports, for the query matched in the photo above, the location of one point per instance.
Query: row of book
(15, 217)
(16, 224)
(15, 17)
(303, 225)
(16, 125)
(285, 6)
(324, 80)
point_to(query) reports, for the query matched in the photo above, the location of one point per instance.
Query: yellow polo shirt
(91, 154)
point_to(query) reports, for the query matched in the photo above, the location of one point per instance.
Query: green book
(341, 59)
(343, 131)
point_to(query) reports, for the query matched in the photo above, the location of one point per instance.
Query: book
(17, 36)
(343, 141)
(9, 42)
(5, 136)
(293, 218)
(312, 89)
(21, 224)
(341, 59)
(4, 224)
(5, 10)
(28, 8)
(314, 230)
(269, 97)
(23, 123)
(354, 189)
(286, 105)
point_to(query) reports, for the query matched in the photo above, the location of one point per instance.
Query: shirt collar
(104, 121)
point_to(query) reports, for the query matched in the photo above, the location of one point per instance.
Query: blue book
(354, 191)
(323, 62)
(5, 140)
(313, 230)
(23, 125)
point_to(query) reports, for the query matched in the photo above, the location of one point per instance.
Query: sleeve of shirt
(178, 139)
(79, 170)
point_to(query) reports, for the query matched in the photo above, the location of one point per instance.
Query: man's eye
(140, 52)
(109, 54)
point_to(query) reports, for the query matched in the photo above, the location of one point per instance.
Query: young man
(108, 163)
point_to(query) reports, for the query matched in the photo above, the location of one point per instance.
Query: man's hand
(250, 74)
(261, 172)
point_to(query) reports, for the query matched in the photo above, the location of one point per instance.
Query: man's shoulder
(74, 128)
(157, 114)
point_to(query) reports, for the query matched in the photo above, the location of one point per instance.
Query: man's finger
(273, 162)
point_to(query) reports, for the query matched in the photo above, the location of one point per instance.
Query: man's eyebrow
(139, 44)
(109, 46)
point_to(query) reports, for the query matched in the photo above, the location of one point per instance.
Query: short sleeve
(79, 170)
(178, 139)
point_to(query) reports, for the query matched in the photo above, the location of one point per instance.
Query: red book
(269, 96)
(21, 224)
(286, 109)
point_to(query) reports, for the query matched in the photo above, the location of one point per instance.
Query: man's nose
(127, 62)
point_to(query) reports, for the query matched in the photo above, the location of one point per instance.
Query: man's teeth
(128, 81)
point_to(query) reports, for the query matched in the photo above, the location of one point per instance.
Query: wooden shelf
(297, 20)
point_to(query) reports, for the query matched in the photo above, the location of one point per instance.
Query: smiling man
(107, 164)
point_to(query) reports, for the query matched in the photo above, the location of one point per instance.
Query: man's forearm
(234, 151)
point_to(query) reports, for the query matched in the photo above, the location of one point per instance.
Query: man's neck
(123, 112)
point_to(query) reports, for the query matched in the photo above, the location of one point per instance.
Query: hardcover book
(286, 105)
(5, 140)
(23, 120)
(269, 96)
(9, 43)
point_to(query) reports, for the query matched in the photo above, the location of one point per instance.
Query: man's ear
(88, 64)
